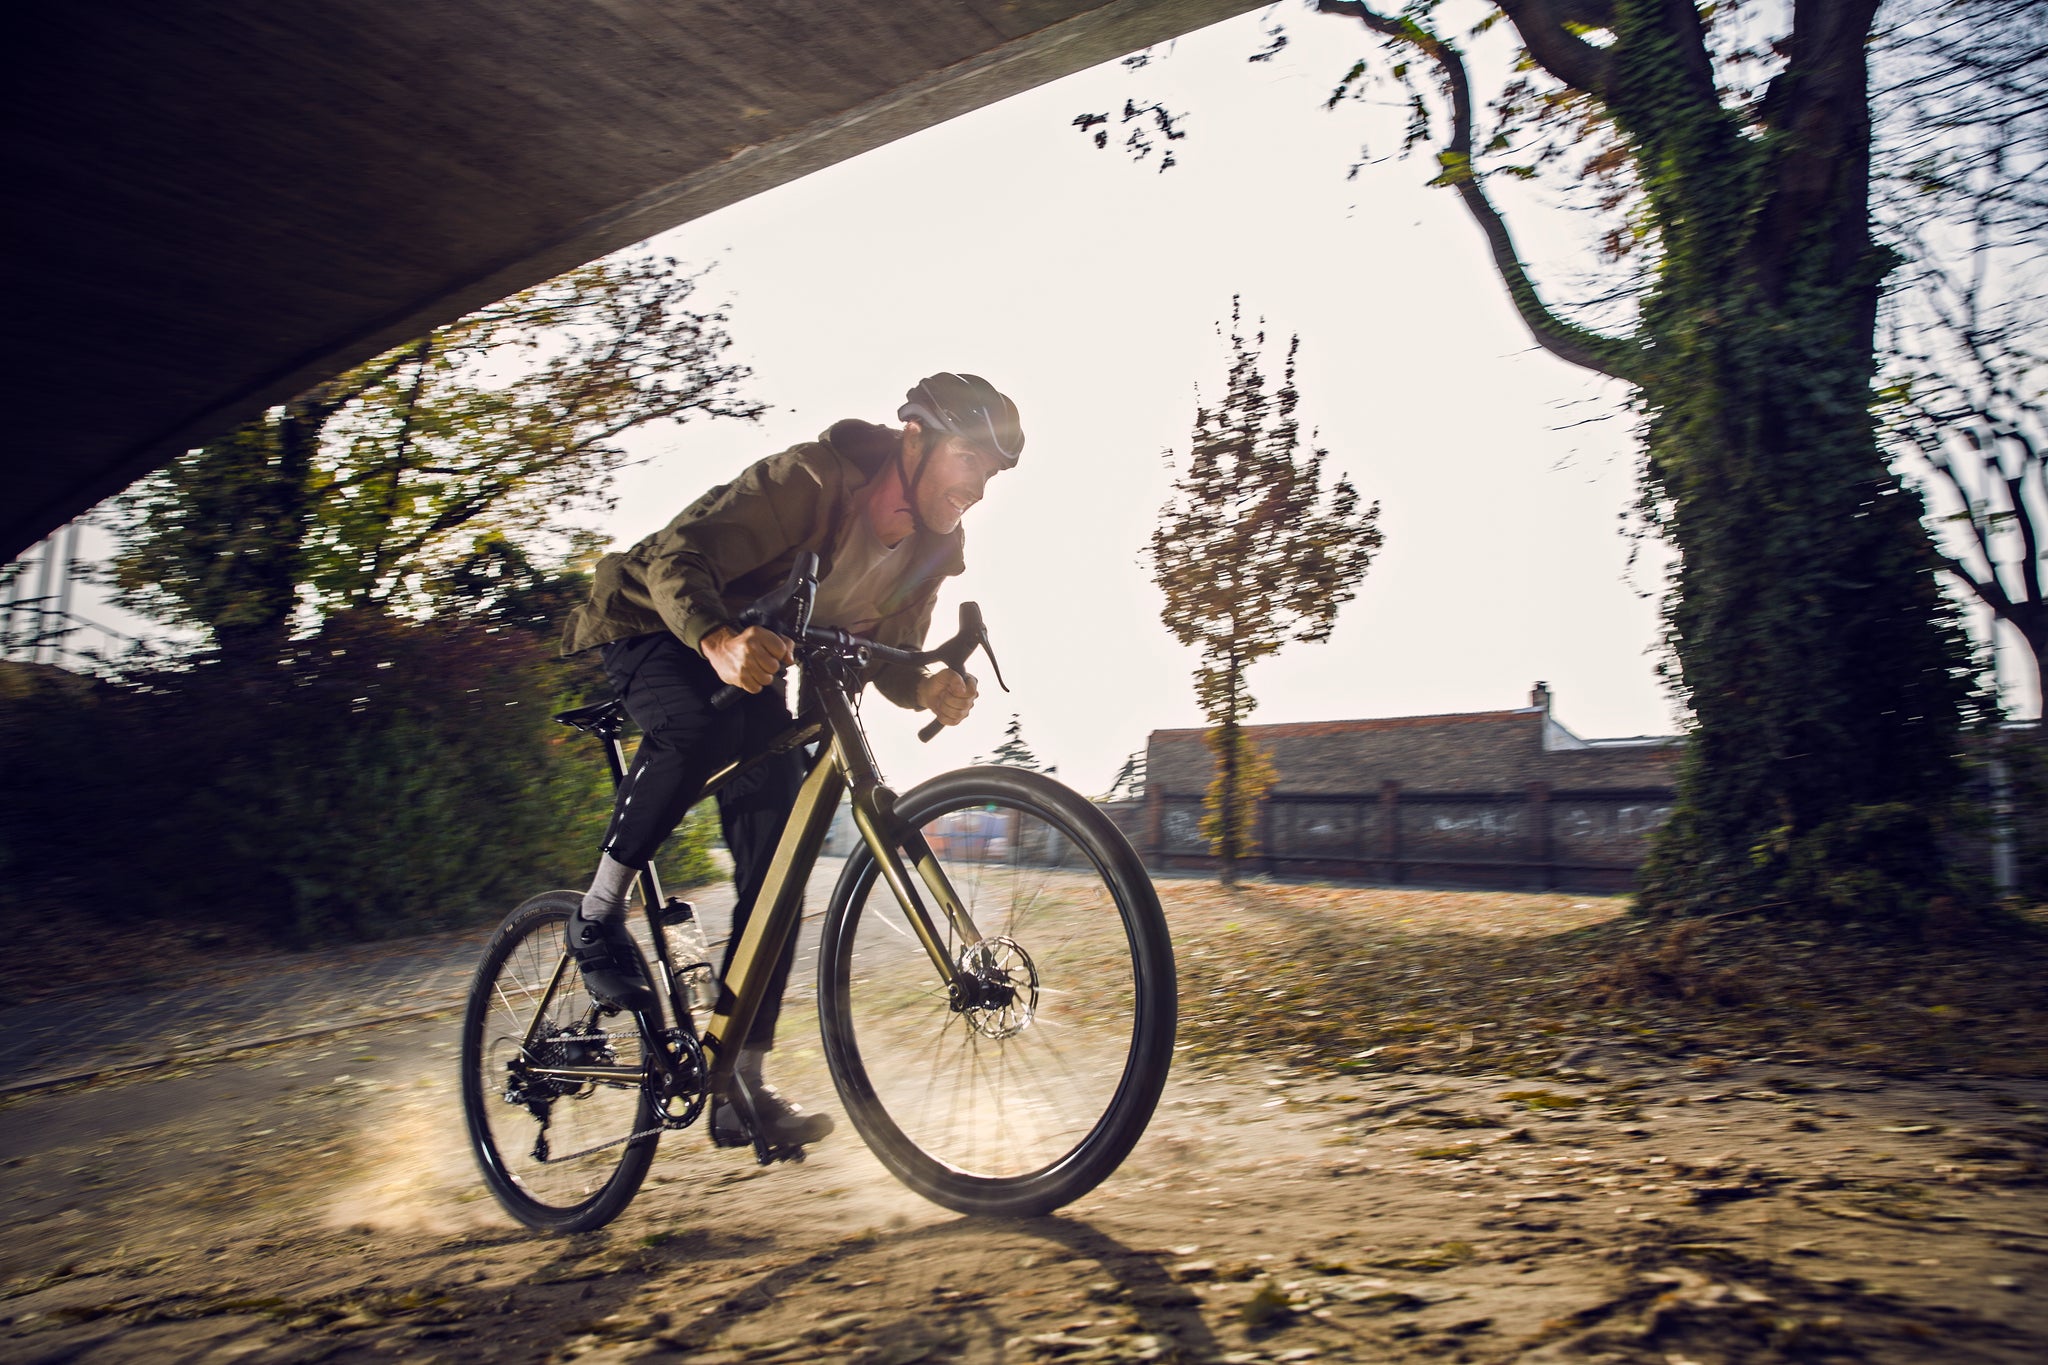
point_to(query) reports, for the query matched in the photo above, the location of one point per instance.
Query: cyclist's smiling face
(954, 479)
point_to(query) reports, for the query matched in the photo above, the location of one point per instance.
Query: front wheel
(1026, 1095)
(556, 1091)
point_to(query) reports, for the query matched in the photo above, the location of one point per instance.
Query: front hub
(998, 991)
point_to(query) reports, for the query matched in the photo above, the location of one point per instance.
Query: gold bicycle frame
(843, 763)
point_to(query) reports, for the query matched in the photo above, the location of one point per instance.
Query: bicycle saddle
(595, 718)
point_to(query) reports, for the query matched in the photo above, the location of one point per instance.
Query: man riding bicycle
(882, 510)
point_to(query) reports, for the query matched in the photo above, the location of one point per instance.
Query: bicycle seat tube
(776, 912)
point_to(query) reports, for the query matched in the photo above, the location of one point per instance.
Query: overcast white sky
(1089, 288)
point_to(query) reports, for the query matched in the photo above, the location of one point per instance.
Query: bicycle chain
(667, 1124)
(630, 1137)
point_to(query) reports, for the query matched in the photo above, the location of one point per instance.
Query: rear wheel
(1026, 1095)
(560, 1152)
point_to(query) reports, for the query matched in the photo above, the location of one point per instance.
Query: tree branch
(2030, 543)
(1590, 13)
(1613, 356)
(422, 354)
(1561, 52)
(1989, 589)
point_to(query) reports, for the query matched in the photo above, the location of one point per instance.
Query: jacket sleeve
(731, 531)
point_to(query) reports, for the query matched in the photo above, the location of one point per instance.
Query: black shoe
(611, 965)
(782, 1123)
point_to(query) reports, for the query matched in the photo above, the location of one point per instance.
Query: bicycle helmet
(963, 405)
(968, 406)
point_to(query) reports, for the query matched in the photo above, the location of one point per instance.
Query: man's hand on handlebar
(747, 659)
(947, 695)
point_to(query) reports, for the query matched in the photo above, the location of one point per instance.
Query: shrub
(387, 777)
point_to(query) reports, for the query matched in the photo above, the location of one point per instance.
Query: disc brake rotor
(1004, 981)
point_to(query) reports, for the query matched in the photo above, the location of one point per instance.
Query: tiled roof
(1474, 751)
(1311, 728)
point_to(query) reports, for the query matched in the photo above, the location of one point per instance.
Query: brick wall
(1499, 798)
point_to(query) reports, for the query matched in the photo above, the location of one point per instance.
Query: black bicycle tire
(1124, 1120)
(611, 1198)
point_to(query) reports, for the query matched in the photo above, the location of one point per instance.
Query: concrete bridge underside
(216, 203)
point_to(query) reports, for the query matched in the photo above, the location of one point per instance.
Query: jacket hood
(868, 447)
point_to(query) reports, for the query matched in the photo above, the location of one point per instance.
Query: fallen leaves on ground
(1533, 985)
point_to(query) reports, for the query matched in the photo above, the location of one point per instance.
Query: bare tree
(1966, 412)
(1962, 101)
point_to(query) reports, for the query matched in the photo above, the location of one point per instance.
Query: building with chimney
(1508, 799)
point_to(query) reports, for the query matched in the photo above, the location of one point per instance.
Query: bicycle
(1000, 1049)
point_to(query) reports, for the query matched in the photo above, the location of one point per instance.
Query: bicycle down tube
(843, 762)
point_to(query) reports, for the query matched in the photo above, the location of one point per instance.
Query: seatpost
(614, 754)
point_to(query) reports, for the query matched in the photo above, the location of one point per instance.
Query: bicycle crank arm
(741, 1096)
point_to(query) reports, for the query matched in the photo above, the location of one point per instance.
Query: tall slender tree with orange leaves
(1254, 550)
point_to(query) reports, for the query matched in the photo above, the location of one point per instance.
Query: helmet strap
(930, 441)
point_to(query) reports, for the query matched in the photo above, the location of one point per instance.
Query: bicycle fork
(885, 832)
(844, 763)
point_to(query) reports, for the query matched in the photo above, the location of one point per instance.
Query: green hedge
(388, 778)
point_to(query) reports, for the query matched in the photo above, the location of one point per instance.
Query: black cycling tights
(667, 687)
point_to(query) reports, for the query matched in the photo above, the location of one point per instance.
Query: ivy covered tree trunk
(1813, 645)
(1824, 670)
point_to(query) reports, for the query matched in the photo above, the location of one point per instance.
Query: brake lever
(990, 650)
(973, 635)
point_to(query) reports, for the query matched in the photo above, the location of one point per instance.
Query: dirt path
(314, 1201)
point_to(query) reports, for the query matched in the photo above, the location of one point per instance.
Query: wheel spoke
(1032, 1066)
(560, 1150)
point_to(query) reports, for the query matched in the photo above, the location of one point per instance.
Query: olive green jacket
(738, 542)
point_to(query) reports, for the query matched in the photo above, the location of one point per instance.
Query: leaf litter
(1383, 980)
(1555, 1169)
